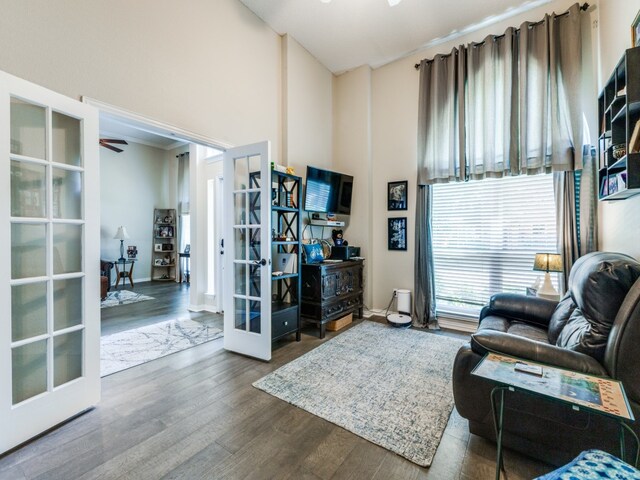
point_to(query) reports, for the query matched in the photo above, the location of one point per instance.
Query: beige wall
(140, 173)
(210, 67)
(352, 155)
(307, 109)
(619, 221)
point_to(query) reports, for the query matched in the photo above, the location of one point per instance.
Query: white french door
(247, 234)
(49, 285)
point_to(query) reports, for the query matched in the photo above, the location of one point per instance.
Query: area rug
(389, 386)
(123, 297)
(134, 347)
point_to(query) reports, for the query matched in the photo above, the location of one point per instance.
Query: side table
(122, 272)
(603, 396)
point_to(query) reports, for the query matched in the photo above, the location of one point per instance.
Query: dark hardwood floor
(194, 414)
(170, 302)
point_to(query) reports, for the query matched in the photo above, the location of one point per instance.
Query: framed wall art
(397, 233)
(397, 195)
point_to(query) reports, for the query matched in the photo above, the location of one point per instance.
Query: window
(485, 236)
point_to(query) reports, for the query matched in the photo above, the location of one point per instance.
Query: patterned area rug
(135, 347)
(122, 297)
(390, 386)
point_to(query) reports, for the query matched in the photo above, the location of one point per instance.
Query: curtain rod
(583, 7)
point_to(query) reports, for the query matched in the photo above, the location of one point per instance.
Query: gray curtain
(491, 103)
(183, 197)
(440, 116)
(576, 212)
(588, 201)
(440, 159)
(550, 113)
(506, 106)
(564, 184)
(424, 282)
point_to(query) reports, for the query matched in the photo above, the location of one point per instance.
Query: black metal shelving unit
(619, 111)
(286, 219)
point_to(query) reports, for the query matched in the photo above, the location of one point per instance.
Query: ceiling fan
(104, 142)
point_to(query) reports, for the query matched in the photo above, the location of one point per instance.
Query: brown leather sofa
(594, 329)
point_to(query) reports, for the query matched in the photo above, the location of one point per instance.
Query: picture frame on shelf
(397, 233)
(157, 262)
(635, 31)
(157, 247)
(397, 195)
(165, 232)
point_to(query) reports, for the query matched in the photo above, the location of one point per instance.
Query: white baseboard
(203, 308)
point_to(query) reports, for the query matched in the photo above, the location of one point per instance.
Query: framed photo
(132, 251)
(397, 195)
(635, 31)
(157, 262)
(397, 233)
(157, 247)
(165, 232)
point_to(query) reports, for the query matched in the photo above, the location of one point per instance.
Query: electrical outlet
(395, 292)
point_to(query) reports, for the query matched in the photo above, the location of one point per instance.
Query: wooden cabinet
(331, 291)
(619, 141)
(163, 259)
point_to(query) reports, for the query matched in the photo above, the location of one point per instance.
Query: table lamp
(121, 235)
(548, 262)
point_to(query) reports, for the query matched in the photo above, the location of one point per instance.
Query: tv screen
(328, 192)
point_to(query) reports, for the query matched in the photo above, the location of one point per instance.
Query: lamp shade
(121, 234)
(548, 262)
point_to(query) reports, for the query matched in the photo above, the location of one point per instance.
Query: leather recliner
(594, 329)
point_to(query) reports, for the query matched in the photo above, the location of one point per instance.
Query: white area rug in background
(134, 347)
(390, 386)
(123, 297)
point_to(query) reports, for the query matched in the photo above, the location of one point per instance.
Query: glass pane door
(248, 270)
(45, 372)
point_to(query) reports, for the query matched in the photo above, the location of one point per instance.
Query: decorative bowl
(619, 151)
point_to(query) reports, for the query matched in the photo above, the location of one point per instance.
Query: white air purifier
(401, 319)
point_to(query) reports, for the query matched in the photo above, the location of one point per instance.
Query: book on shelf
(634, 142)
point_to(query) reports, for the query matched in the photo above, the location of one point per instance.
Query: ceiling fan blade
(114, 140)
(115, 149)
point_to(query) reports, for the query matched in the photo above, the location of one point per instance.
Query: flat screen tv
(328, 192)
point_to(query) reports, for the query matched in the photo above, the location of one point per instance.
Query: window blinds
(485, 236)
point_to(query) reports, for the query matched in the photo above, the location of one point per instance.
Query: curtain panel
(440, 117)
(424, 278)
(509, 105)
(183, 199)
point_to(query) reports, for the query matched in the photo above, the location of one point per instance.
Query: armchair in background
(105, 278)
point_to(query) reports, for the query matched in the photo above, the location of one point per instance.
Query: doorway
(147, 188)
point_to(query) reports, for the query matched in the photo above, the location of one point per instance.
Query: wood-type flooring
(195, 415)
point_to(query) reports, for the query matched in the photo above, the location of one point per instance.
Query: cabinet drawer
(340, 307)
(284, 322)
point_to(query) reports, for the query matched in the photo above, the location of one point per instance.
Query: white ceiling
(345, 34)
(111, 127)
